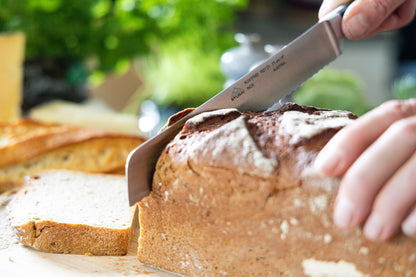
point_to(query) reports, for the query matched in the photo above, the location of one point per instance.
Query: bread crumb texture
(28, 147)
(235, 194)
(72, 212)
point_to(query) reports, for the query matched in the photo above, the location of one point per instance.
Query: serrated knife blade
(262, 87)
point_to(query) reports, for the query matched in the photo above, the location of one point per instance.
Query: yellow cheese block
(86, 115)
(11, 74)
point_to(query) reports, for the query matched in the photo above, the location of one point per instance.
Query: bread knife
(259, 89)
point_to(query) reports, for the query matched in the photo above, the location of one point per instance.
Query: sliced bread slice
(72, 212)
(28, 147)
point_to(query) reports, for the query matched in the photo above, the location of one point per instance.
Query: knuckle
(406, 12)
(399, 108)
(407, 18)
(390, 105)
(404, 127)
(382, 7)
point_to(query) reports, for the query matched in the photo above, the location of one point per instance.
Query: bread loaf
(235, 194)
(72, 212)
(28, 147)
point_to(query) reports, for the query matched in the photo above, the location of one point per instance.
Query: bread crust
(58, 236)
(27, 138)
(215, 219)
(29, 147)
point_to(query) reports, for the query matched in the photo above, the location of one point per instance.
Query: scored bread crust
(42, 231)
(28, 147)
(228, 216)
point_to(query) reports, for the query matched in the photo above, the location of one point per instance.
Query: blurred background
(130, 64)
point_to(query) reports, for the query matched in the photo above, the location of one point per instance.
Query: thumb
(365, 16)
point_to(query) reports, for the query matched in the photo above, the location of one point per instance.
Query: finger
(329, 5)
(348, 144)
(393, 203)
(409, 224)
(401, 17)
(372, 170)
(365, 16)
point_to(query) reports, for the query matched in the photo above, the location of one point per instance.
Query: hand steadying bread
(366, 18)
(236, 194)
(376, 154)
(377, 159)
(361, 151)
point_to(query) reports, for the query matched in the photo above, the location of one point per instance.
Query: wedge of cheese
(86, 115)
(11, 72)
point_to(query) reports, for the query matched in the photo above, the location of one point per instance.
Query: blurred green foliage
(182, 77)
(333, 89)
(110, 31)
(185, 70)
(105, 30)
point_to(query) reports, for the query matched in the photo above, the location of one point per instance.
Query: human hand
(365, 18)
(376, 155)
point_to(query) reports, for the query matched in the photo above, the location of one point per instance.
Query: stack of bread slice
(28, 147)
(71, 189)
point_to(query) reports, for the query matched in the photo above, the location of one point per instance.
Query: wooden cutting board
(23, 261)
(17, 260)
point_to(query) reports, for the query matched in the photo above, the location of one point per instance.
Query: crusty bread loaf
(28, 147)
(235, 194)
(72, 212)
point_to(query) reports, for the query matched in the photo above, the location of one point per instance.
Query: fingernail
(357, 25)
(327, 163)
(409, 225)
(343, 213)
(373, 227)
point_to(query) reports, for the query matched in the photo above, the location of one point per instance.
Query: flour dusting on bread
(244, 200)
(204, 116)
(317, 268)
(303, 125)
(312, 178)
(231, 146)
